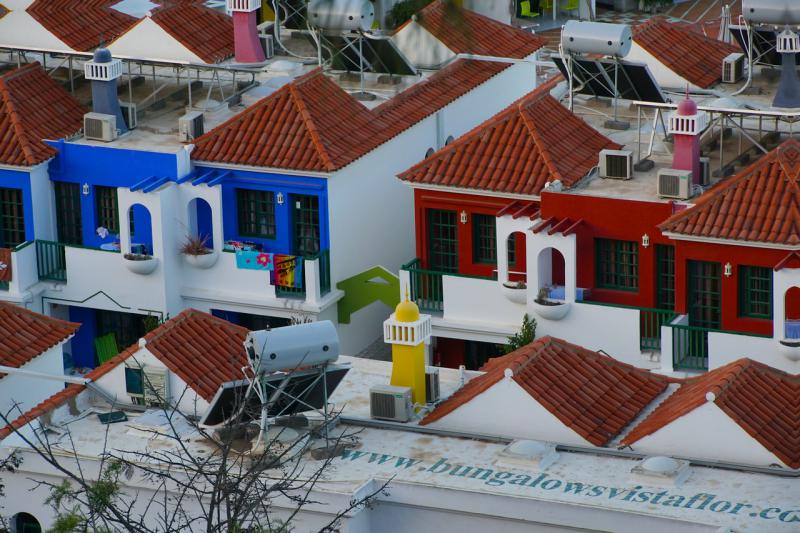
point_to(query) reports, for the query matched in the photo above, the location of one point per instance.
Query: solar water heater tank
(341, 15)
(292, 347)
(583, 37)
(777, 12)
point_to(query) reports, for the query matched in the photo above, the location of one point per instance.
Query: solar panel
(596, 78)
(379, 55)
(288, 394)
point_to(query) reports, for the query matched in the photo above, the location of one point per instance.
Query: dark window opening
(442, 240)
(12, 217)
(107, 208)
(617, 264)
(755, 292)
(306, 224)
(256, 211)
(484, 239)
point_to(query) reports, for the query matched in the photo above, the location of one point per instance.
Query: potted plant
(547, 308)
(140, 263)
(197, 253)
(515, 291)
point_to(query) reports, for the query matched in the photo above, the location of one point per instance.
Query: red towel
(5, 264)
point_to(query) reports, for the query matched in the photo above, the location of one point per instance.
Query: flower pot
(514, 292)
(141, 266)
(790, 348)
(202, 261)
(552, 310)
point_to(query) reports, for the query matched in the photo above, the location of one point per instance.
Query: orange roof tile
(203, 350)
(25, 334)
(595, 395)
(33, 107)
(81, 24)
(693, 56)
(464, 31)
(207, 33)
(760, 204)
(530, 143)
(763, 400)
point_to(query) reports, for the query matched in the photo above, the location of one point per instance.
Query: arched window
(515, 257)
(792, 313)
(201, 225)
(551, 267)
(26, 523)
(141, 230)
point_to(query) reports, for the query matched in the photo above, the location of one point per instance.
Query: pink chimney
(686, 124)
(245, 33)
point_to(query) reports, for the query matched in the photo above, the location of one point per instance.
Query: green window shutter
(755, 292)
(12, 217)
(107, 208)
(484, 239)
(68, 212)
(256, 213)
(617, 264)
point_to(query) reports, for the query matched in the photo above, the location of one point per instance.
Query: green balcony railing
(324, 257)
(650, 322)
(689, 347)
(51, 261)
(426, 286)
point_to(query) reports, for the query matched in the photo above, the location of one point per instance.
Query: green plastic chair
(572, 5)
(525, 10)
(106, 347)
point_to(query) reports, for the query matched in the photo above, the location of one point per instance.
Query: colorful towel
(5, 264)
(288, 271)
(254, 260)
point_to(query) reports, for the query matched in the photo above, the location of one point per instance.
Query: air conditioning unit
(733, 68)
(268, 45)
(705, 171)
(616, 164)
(190, 126)
(100, 127)
(155, 386)
(432, 393)
(129, 114)
(674, 183)
(387, 402)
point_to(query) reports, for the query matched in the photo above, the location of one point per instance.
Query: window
(704, 300)
(68, 212)
(134, 380)
(484, 239)
(512, 250)
(617, 264)
(755, 292)
(12, 217)
(107, 208)
(256, 213)
(306, 224)
(442, 240)
(127, 328)
(665, 276)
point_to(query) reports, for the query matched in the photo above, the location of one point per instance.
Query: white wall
(188, 401)
(420, 47)
(44, 225)
(499, 10)
(707, 433)
(724, 348)
(160, 46)
(28, 391)
(664, 76)
(489, 413)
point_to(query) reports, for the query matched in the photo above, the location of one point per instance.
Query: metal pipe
(43, 375)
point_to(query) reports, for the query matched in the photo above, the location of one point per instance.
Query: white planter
(551, 312)
(143, 267)
(201, 261)
(515, 294)
(790, 348)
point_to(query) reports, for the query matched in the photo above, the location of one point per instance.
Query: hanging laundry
(251, 260)
(5, 264)
(288, 271)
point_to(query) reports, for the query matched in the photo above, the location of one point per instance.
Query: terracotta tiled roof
(25, 334)
(763, 400)
(761, 203)
(593, 394)
(464, 31)
(81, 24)
(692, 56)
(533, 141)
(204, 351)
(33, 107)
(309, 124)
(207, 33)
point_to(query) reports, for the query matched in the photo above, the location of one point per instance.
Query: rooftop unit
(674, 183)
(100, 127)
(387, 402)
(616, 164)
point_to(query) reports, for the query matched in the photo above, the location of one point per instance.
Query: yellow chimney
(408, 331)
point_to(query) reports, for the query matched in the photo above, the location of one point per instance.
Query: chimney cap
(102, 55)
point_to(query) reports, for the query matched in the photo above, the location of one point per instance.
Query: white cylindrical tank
(583, 37)
(291, 347)
(777, 12)
(341, 15)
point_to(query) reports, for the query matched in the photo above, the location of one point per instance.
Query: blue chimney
(103, 71)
